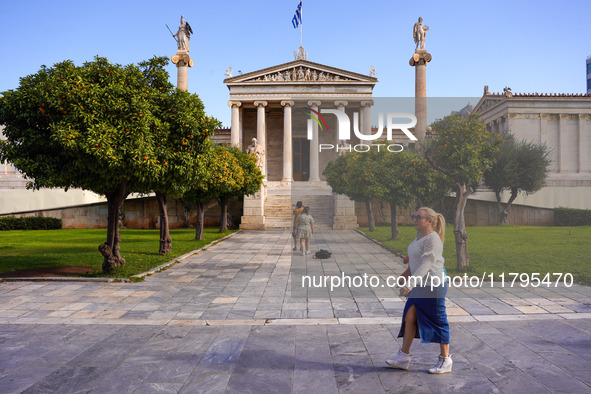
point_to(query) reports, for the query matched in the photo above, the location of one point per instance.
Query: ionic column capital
(420, 58)
(312, 103)
(260, 103)
(367, 103)
(343, 103)
(182, 58)
(234, 103)
(287, 103)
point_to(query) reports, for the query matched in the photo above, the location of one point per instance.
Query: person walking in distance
(424, 314)
(294, 231)
(305, 230)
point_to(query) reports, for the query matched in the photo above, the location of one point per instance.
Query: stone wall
(142, 213)
(139, 213)
(477, 213)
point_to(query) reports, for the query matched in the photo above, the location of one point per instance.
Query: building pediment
(300, 72)
(486, 102)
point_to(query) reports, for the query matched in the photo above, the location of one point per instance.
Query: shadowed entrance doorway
(301, 159)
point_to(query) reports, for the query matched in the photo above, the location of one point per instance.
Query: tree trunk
(508, 206)
(200, 217)
(393, 221)
(381, 212)
(456, 202)
(186, 214)
(500, 207)
(223, 201)
(165, 240)
(370, 219)
(110, 249)
(504, 211)
(461, 237)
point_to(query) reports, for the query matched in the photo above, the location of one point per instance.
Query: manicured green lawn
(22, 249)
(507, 248)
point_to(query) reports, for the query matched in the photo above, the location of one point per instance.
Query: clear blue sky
(531, 46)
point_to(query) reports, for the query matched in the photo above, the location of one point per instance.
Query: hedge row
(29, 223)
(572, 217)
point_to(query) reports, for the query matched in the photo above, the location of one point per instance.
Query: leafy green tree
(408, 178)
(520, 167)
(233, 186)
(428, 185)
(357, 176)
(230, 173)
(202, 192)
(100, 127)
(463, 150)
(395, 178)
(186, 121)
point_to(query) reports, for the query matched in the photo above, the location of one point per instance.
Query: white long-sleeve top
(425, 257)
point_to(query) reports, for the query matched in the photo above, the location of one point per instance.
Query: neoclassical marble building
(276, 105)
(563, 122)
(15, 197)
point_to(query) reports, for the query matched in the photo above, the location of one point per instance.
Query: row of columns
(236, 131)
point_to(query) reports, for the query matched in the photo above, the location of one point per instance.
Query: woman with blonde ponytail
(424, 314)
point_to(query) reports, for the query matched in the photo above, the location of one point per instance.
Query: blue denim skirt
(431, 316)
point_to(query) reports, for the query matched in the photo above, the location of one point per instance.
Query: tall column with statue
(419, 61)
(181, 58)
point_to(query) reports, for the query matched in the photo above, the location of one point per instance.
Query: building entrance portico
(281, 107)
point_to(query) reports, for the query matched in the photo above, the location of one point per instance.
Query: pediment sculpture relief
(300, 74)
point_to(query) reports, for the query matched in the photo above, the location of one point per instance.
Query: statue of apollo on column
(419, 32)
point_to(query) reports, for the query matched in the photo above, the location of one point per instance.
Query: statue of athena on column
(183, 35)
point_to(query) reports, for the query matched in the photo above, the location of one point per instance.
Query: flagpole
(301, 24)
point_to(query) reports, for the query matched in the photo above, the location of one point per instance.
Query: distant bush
(29, 223)
(572, 217)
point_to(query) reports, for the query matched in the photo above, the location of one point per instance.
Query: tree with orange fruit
(462, 149)
(107, 128)
(231, 173)
(188, 129)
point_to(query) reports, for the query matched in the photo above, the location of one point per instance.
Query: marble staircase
(280, 202)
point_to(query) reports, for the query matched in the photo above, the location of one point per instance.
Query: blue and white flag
(297, 18)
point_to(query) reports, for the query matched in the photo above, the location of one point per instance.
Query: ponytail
(437, 220)
(439, 226)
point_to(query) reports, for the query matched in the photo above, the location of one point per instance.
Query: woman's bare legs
(410, 329)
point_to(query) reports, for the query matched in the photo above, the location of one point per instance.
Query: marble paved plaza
(235, 318)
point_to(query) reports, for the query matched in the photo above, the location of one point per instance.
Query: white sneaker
(443, 365)
(401, 361)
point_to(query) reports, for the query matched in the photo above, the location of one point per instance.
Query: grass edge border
(134, 278)
(379, 243)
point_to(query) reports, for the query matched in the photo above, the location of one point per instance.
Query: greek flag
(297, 18)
